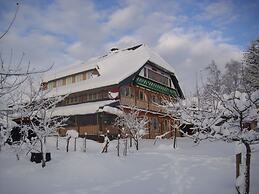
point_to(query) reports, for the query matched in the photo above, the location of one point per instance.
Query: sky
(188, 34)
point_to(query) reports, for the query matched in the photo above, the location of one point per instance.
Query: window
(79, 77)
(94, 96)
(127, 91)
(145, 72)
(89, 75)
(59, 82)
(165, 125)
(51, 84)
(64, 81)
(84, 98)
(76, 99)
(66, 101)
(154, 123)
(90, 97)
(71, 100)
(155, 99)
(105, 95)
(69, 80)
(142, 95)
(158, 77)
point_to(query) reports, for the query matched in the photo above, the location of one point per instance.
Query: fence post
(75, 145)
(118, 146)
(57, 143)
(238, 162)
(85, 142)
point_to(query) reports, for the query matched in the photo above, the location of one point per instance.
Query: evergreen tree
(251, 61)
(233, 77)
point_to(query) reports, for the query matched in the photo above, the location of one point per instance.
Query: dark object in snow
(187, 128)
(48, 156)
(16, 136)
(37, 157)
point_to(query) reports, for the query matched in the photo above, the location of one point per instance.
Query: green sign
(146, 83)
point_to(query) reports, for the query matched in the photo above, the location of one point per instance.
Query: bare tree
(132, 123)
(37, 109)
(11, 23)
(221, 116)
(12, 77)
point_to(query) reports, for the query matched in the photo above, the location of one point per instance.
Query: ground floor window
(154, 123)
(165, 125)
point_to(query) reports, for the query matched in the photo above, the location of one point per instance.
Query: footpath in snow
(189, 169)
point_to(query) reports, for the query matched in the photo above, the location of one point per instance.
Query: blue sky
(188, 34)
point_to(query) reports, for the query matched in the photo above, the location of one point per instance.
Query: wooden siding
(142, 104)
(127, 101)
(89, 129)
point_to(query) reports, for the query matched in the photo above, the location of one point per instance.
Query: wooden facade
(100, 123)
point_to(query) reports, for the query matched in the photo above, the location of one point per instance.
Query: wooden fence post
(238, 162)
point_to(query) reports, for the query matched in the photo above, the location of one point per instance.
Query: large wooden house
(135, 76)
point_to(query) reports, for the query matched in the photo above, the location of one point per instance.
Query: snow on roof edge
(80, 109)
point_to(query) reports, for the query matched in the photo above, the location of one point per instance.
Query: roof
(80, 109)
(113, 68)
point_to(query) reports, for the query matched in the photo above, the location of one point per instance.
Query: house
(134, 76)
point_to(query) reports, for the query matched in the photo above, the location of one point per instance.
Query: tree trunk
(125, 147)
(85, 144)
(130, 141)
(68, 139)
(43, 164)
(17, 157)
(247, 169)
(57, 143)
(118, 146)
(136, 144)
(174, 146)
(75, 145)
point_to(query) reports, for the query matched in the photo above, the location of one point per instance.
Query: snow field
(189, 169)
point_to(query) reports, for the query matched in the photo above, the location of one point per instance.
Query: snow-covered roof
(111, 110)
(80, 109)
(113, 68)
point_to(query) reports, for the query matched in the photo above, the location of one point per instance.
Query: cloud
(219, 13)
(190, 52)
(60, 32)
(123, 18)
(65, 31)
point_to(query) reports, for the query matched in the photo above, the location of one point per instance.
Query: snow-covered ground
(206, 168)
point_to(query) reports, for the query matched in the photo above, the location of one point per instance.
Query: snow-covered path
(207, 168)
